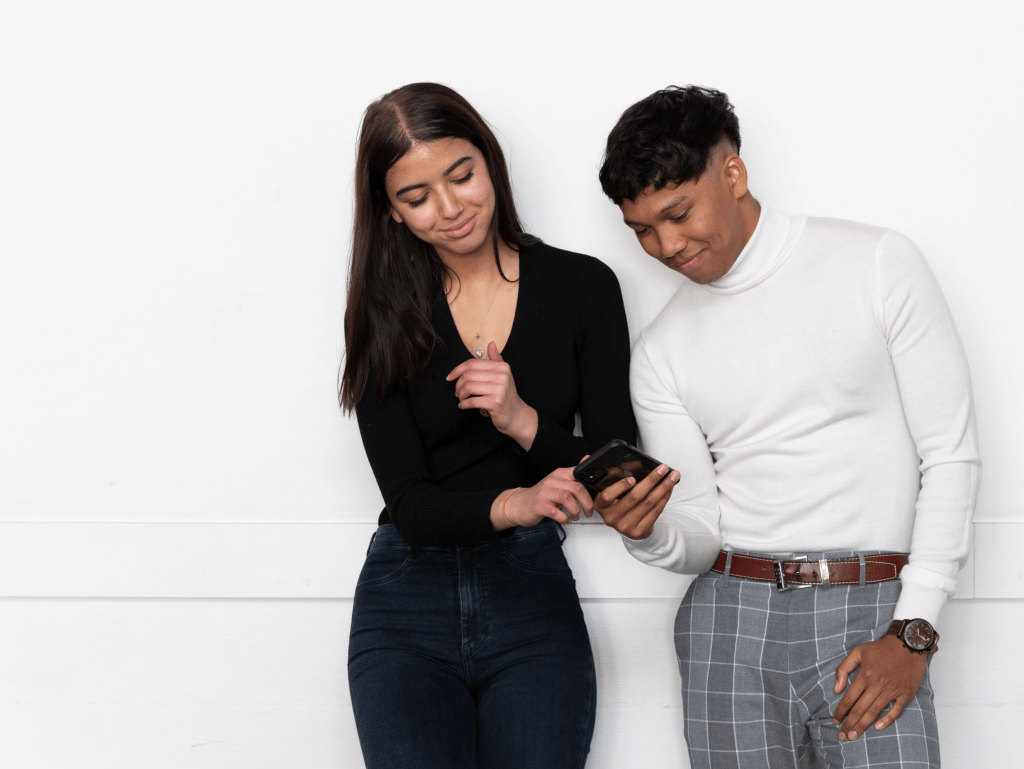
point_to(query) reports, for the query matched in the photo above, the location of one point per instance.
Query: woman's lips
(462, 229)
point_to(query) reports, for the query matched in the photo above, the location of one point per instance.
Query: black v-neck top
(440, 468)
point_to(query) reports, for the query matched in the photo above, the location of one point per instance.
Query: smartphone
(611, 463)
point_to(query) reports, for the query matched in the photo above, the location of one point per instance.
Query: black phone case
(613, 462)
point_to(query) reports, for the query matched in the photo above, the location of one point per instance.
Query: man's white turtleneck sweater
(815, 398)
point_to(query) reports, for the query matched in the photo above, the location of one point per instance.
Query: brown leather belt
(793, 573)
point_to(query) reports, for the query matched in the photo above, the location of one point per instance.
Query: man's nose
(670, 242)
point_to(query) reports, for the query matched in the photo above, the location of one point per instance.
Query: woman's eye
(681, 216)
(641, 233)
(464, 179)
(415, 203)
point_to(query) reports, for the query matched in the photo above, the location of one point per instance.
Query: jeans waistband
(388, 536)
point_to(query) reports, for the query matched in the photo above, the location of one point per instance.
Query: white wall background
(183, 509)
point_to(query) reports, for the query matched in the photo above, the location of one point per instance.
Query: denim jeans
(475, 656)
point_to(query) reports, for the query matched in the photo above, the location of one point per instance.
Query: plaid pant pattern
(758, 670)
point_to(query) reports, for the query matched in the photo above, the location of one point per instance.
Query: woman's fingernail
(674, 476)
(631, 481)
(662, 470)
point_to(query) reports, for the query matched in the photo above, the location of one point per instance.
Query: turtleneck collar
(764, 253)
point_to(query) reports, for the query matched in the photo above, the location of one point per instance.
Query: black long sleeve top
(440, 467)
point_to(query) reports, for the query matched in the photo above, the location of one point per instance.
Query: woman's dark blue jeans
(468, 657)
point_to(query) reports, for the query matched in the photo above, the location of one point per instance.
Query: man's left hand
(889, 672)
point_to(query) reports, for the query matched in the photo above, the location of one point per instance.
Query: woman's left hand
(488, 385)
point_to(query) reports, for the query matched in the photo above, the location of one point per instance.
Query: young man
(808, 383)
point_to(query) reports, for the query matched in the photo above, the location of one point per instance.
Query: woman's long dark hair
(394, 275)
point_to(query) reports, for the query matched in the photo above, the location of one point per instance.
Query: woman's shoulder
(561, 264)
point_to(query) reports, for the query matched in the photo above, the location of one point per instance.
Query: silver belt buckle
(780, 576)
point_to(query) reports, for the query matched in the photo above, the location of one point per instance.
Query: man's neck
(750, 213)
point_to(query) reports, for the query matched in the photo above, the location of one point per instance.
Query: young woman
(471, 348)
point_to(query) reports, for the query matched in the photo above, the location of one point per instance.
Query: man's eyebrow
(671, 204)
(665, 209)
(451, 168)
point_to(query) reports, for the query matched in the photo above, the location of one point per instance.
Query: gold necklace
(477, 339)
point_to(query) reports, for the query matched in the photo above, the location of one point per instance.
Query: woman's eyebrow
(456, 164)
(451, 168)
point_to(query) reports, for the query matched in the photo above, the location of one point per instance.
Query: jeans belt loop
(561, 533)
(863, 570)
(373, 537)
(728, 568)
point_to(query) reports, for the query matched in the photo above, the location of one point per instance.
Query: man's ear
(735, 171)
(396, 216)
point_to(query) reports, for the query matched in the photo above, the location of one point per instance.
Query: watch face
(918, 634)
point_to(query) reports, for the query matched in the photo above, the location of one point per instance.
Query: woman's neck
(480, 269)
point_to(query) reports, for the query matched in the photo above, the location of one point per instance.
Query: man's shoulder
(666, 327)
(822, 231)
(870, 246)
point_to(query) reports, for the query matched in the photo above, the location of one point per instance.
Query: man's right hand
(631, 508)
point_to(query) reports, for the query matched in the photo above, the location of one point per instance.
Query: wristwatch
(918, 635)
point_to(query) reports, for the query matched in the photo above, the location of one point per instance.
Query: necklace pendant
(479, 353)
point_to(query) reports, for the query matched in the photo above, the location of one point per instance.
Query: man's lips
(461, 229)
(689, 263)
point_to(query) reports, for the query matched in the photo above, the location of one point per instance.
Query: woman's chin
(464, 248)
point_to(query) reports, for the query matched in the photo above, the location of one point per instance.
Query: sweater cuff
(917, 601)
(652, 544)
(440, 523)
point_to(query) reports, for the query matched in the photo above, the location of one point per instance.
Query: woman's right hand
(529, 506)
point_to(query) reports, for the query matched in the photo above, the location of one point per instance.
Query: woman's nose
(449, 204)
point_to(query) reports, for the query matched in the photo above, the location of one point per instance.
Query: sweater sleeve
(424, 514)
(935, 390)
(603, 362)
(686, 537)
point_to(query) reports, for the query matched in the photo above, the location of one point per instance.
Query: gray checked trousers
(758, 670)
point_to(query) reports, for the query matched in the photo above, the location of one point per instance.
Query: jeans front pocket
(384, 564)
(538, 551)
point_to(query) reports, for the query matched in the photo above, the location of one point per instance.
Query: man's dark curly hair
(666, 138)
